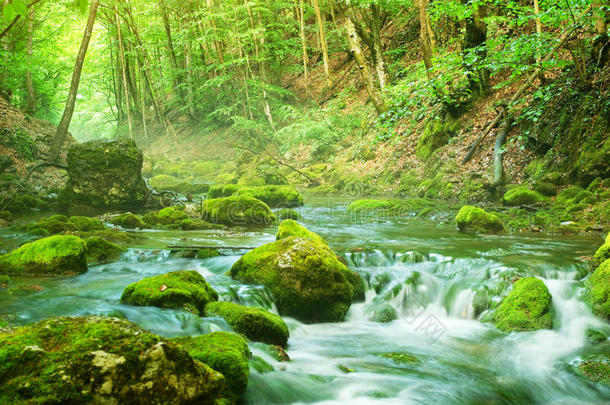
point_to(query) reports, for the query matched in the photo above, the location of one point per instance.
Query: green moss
(522, 196)
(207, 253)
(595, 336)
(223, 190)
(55, 255)
(206, 169)
(86, 224)
(226, 353)
(255, 323)
(177, 289)
(306, 278)
(401, 357)
(389, 207)
(287, 213)
(260, 365)
(274, 196)
(4, 280)
(595, 185)
(129, 221)
(568, 194)
(237, 210)
(602, 254)
(476, 219)
(436, 134)
(545, 188)
(52, 225)
(111, 235)
(6, 215)
(98, 360)
(251, 180)
(383, 312)
(598, 290)
(380, 281)
(196, 225)
(164, 182)
(25, 202)
(100, 250)
(527, 307)
(596, 368)
(166, 216)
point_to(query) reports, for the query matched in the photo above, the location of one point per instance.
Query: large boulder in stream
(95, 360)
(305, 277)
(105, 174)
(527, 307)
(475, 219)
(598, 290)
(177, 289)
(52, 256)
(237, 210)
(274, 196)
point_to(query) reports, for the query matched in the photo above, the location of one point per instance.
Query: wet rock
(95, 360)
(476, 219)
(86, 224)
(100, 250)
(527, 307)
(522, 195)
(166, 216)
(598, 290)
(257, 324)
(226, 353)
(237, 210)
(129, 221)
(105, 174)
(382, 313)
(595, 367)
(274, 196)
(55, 255)
(178, 289)
(400, 357)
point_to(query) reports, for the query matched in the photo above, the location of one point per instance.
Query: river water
(461, 359)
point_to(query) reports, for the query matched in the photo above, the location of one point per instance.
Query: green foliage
(21, 141)
(598, 290)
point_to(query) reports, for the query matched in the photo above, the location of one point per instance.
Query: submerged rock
(226, 353)
(105, 174)
(237, 210)
(596, 368)
(306, 278)
(95, 360)
(257, 324)
(527, 307)
(52, 256)
(274, 196)
(287, 213)
(177, 289)
(476, 219)
(598, 290)
(100, 250)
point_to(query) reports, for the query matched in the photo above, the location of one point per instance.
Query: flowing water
(461, 360)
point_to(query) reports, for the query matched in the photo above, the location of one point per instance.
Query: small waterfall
(462, 306)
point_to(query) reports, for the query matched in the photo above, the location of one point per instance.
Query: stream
(461, 360)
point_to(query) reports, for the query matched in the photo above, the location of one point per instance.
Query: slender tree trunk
(64, 123)
(474, 41)
(217, 43)
(425, 38)
(378, 47)
(539, 34)
(322, 34)
(170, 45)
(303, 41)
(374, 94)
(123, 72)
(30, 107)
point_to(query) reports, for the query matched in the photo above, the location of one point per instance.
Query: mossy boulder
(595, 367)
(206, 168)
(527, 307)
(287, 213)
(545, 188)
(164, 182)
(166, 216)
(52, 225)
(129, 221)
(274, 196)
(207, 253)
(306, 279)
(52, 256)
(111, 235)
(100, 250)
(237, 210)
(436, 134)
(105, 174)
(389, 207)
(476, 219)
(189, 224)
(223, 190)
(383, 312)
(568, 194)
(6, 215)
(257, 324)
(25, 202)
(602, 254)
(598, 290)
(85, 224)
(226, 353)
(522, 195)
(177, 289)
(95, 360)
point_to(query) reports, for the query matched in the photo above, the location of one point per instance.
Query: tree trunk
(322, 34)
(539, 34)
(123, 72)
(303, 40)
(217, 43)
(30, 107)
(503, 130)
(170, 46)
(425, 38)
(64, 124)
(373, 92)
(476, 38)
(377, 50)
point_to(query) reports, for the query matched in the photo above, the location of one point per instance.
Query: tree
(64, 124)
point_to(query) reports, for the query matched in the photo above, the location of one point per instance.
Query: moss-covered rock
(52, 256)
(257, 324)
(401, 357)
(287, 213)
(274, 196)
(207, 253)
(389, 207)
(177, 289)
(602, 254)
(436, 134)
(94, 360)
(545, 188)
(25, 202)
(223, 190)
(166, 216)
(598, 290)
(305, 278)
(476, 219)
(100, 250)
(237, 210)
(129, 221)
(197, 225)
(6, 215)
(111, 235)
(51, 225)
(383, 312)
(86, 224)
(522, 195)
(596, 368)
(567, 194)
(165, 182)
(226, 353)
(206, 168)
(105, 174)
(527, 307)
